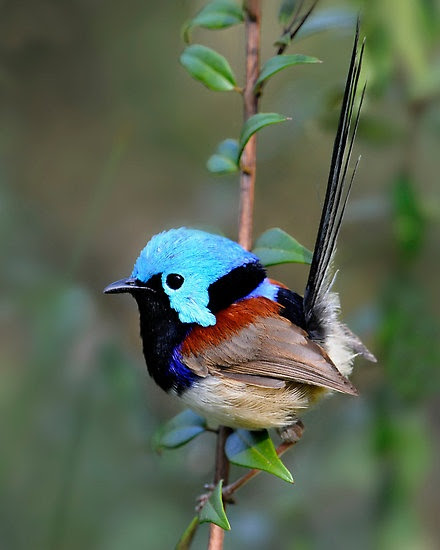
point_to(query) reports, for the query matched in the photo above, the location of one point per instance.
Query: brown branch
(251, 98)
(245, 222)
(250, 107)
(216, 533)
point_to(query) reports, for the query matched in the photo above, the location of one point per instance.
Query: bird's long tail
(320, 305)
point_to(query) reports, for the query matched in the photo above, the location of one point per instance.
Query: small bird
(235, 346)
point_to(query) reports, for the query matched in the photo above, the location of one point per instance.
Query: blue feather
(265, 289)
(181, 377)
(200, 258)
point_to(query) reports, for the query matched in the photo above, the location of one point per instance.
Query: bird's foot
(292, 433)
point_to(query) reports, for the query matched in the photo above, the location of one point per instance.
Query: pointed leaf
(188, 535)
(255, 123)
(286, 11)
(225, 159)
(280, 62)
(213, 511)
(255, 450)
(275, 246)
(179, 430)
(208, 67)
(219, 14)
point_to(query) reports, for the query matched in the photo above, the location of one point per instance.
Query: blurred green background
(103, 142)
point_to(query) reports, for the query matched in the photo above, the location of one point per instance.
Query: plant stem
(250, 107)
(245, 222)
(216, 533)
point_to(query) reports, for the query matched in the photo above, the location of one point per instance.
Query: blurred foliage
(178, 431)
(102, 143)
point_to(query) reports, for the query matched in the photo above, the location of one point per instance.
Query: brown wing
(271, 349)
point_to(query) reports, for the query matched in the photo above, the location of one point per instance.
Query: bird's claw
(292, 433)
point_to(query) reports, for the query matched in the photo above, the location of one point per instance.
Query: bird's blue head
(199, 272)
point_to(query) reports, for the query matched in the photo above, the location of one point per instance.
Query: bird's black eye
(174, 281)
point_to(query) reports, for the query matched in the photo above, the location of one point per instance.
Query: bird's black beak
(123, 285)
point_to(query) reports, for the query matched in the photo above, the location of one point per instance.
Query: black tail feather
(338, 190)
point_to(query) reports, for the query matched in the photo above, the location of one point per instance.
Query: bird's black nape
(235, 285)
(338, 189)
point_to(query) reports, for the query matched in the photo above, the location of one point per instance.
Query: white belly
(239, 405)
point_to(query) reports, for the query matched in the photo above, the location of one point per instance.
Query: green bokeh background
(103, 142)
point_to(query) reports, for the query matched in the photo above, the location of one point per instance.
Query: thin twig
(250, 107)
(245, 222)
(293, 30)
(216, 533)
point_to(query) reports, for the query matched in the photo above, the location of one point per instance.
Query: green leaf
(255, 450)
(225, 159)
(323, 20)
(329, 19)
(208, 67)
(218, 164)
(188, 535)
(219, 14)
(286, 11)
(228, 148)
(280, 62)
(275, 246)
(179, 430)
(255, 123)
(213, 511)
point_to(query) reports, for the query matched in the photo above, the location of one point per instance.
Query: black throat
(162, 333)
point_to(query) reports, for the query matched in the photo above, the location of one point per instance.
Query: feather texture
(251, 338)
(321, 306)
(238, 404)
(319, 280)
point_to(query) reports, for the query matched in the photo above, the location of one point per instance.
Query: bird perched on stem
(241, 349)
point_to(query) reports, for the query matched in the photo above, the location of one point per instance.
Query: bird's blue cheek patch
(192, 309)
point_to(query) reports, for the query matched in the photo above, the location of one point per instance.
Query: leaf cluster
(214, 71)
(248, 449)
